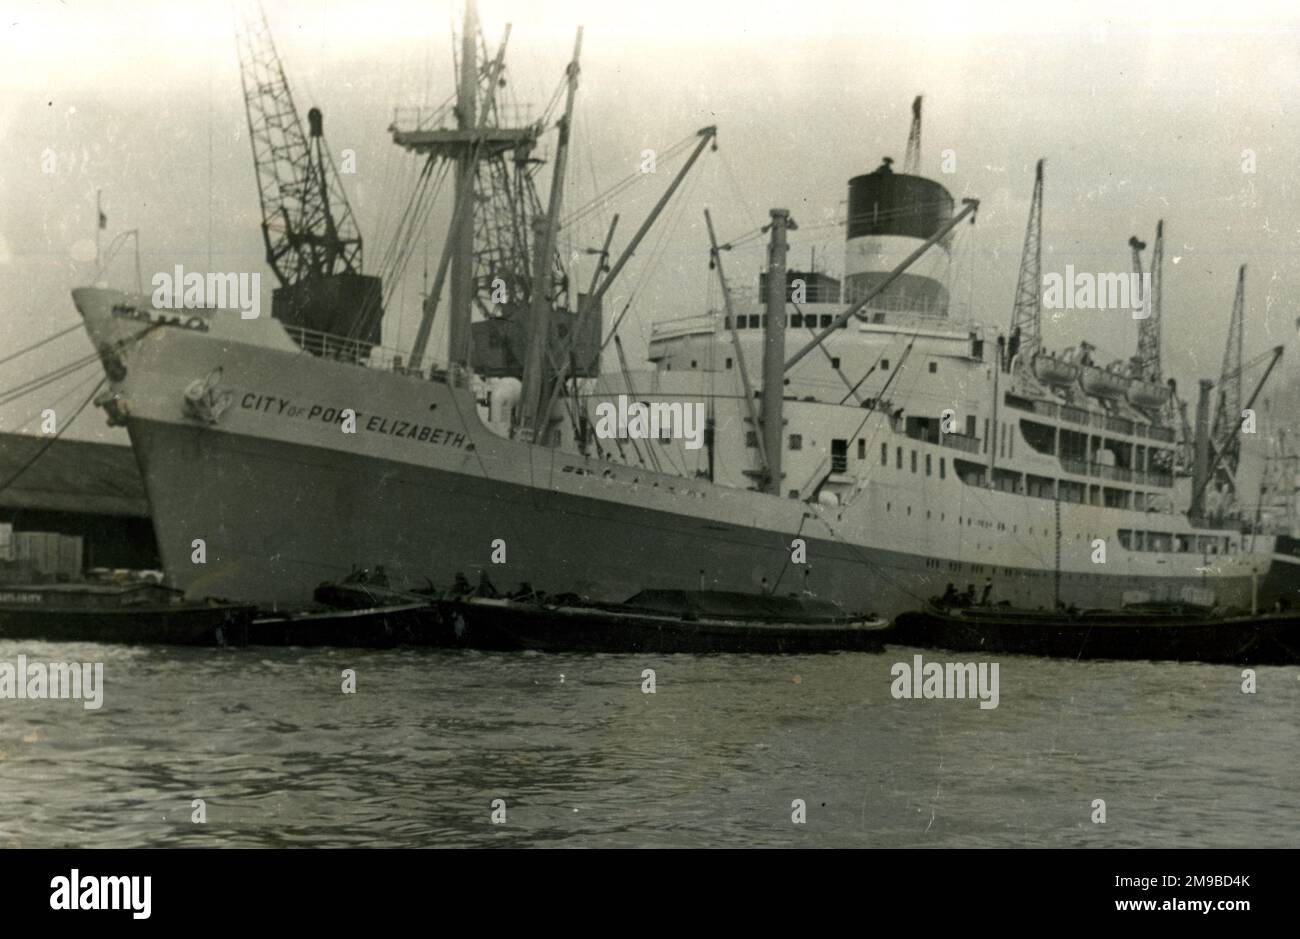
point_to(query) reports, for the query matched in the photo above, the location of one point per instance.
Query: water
(583, 758)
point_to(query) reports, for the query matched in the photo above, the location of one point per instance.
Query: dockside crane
(1148, 351)
(1137, 246)
(313, 245)
(1148, 364)
(1227, 414)
(1027, 310)
(912, 159)
(1212, 453)
(1219, 444)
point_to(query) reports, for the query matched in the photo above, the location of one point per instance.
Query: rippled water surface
(582, 757)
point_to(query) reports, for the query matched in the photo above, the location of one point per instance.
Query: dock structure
(80, 488)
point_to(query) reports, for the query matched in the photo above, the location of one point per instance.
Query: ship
(861, 444)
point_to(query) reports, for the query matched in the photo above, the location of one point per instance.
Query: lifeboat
(1148, 395)
(1101, 383)
(1057, 372)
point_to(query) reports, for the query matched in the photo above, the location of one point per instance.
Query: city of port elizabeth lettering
(350, 419)
(466, 423)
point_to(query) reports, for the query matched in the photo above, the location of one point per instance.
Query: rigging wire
(53, 437)
(657, 254)
(12, 394)
(419, 221)
(737, 189)
(42, 381)
(60, 334)
(599, 201)
(74, 390)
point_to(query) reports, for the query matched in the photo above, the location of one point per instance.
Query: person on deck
(485, 588)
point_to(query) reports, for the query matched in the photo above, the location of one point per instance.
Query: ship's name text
(372, 423)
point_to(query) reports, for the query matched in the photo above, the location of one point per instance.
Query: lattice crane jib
(912, 159)
(307, 223)
(1228, 412)
(1148, 353)
(1027, 310)
(313, 245)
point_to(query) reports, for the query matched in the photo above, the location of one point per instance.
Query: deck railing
(358, 352)
(960, 442)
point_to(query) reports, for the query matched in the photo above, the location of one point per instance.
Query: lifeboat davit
(1101, 383)
(1053, 371)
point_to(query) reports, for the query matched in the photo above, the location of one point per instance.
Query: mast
(715, 260)
(462, 234)
(774, 349)
(537, 368)
(429, 308)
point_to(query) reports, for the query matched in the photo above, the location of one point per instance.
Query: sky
(1176, 111)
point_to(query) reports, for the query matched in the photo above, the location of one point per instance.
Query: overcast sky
(1141, 116)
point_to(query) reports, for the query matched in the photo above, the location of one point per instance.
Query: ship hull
(277, 519)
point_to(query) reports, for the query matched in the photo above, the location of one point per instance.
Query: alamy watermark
(946, 680)
(91, 892)
(660, 419)
(178, 290)
(39, 680)
(1107, 291)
